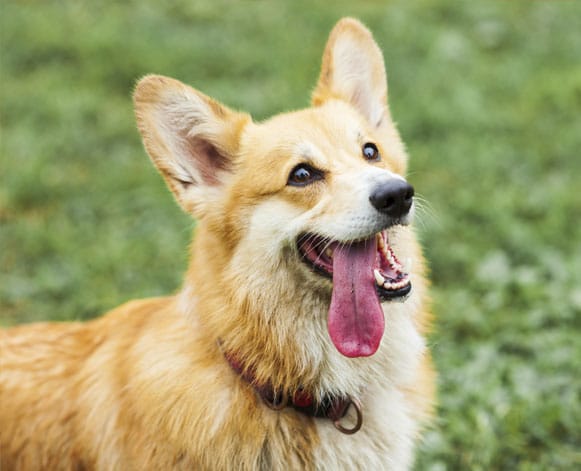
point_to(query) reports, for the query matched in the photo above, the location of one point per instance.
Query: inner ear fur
(191, 138)
(353, 70)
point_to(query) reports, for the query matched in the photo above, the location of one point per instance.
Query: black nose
(393, 197)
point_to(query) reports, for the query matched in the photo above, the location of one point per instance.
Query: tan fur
(147, 386)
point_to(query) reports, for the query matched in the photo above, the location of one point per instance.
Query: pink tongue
(355, 319)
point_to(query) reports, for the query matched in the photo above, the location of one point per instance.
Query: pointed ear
(190, 138)
(353, 70)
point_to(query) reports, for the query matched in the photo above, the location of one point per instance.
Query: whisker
(426, 214)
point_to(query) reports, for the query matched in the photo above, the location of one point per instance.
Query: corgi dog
(297, 340)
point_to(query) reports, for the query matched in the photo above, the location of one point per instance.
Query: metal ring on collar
(350, 431)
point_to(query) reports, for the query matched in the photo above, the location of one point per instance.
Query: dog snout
(393, 197)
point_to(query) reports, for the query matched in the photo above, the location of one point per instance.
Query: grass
(487, 94)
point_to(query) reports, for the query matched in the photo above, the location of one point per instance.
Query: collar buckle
(275, 401)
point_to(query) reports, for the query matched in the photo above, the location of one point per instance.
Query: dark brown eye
(370, 151)
(303, 175)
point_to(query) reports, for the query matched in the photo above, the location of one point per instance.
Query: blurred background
(487, 95)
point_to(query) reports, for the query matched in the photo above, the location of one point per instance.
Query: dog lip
(389, 295)
(316, 268)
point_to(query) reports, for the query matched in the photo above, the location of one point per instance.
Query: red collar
(331, 407)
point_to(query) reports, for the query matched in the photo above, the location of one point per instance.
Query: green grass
(488, 98)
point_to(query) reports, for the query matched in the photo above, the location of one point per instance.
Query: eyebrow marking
(311, 155)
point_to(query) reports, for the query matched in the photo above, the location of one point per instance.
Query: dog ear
(190, 138)
(353, 70)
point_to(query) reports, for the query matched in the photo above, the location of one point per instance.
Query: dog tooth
(380, 241)
(329, 252)
(384, 248)
(378, 277)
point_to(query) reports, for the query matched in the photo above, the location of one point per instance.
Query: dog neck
(331, 407)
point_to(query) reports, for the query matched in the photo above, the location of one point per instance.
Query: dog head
(301, 217)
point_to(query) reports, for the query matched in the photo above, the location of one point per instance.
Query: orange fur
(147, 386)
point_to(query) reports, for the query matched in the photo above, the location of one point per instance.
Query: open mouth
(364, 273)
(391, 281)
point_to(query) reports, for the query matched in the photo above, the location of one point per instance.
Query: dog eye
(370, 151)
(303, 175)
